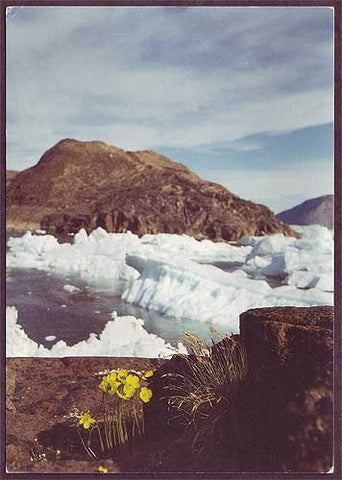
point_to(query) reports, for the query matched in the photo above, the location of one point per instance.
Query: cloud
(154, 77)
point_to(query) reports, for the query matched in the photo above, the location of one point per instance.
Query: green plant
(121, 422)
(203, 396)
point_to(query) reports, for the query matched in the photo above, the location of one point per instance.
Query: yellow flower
(128, 392)
(122, 375)
(133, 381)
(105, 384)
(114, 387)
(112, 377)
(147, 375)
(109, 383)
(129, 388)
(103, 469)
(145, 394)
(86, 420)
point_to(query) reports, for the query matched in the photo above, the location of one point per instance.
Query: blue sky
(243, 96)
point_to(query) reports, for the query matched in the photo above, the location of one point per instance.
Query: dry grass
(205, 397)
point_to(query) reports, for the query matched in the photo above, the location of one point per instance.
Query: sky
(242, 96)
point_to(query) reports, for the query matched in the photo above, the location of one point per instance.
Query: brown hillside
(10, 175)
(89, 184)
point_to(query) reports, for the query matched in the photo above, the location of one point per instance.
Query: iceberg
(204, 251)
(98, 259)
(182, 288)
(292, 259)
(305, 279)
(121, 337)
(29, 251)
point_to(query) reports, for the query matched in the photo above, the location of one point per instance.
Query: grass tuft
(204, 397)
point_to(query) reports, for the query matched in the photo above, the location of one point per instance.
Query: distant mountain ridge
(89, 184)
(319, 210)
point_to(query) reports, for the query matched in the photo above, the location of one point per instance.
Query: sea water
(45, 309)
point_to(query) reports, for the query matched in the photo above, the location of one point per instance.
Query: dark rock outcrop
(89, 184)
(290, 352)
(283, 414)
(318, 210)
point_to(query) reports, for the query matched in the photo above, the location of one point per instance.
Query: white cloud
(150, 77)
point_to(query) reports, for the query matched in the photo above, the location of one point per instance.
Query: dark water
(46, 309)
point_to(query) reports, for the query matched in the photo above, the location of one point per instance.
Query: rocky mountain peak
(88, 184)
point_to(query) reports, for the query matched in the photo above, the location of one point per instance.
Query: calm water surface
(46, 309)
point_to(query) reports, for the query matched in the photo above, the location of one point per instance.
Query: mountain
(10, 175)
(318, 210)
(89, 184)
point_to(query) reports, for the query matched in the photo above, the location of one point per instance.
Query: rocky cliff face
(318, 210)
(90, 184)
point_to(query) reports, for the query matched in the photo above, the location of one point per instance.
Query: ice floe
(182, 288)
(121, 337)
(304, 263)
(204, 251)
(98, 259)
(305, 279)
(29, 251)
(170, 273)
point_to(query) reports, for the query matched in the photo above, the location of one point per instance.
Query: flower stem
(88, 450)
(100, 437)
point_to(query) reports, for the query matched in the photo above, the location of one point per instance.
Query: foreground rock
(40, 395)
(318, 211)
(90, 184)
(290, 352)
(282, 414)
